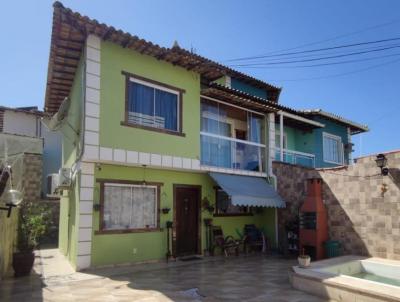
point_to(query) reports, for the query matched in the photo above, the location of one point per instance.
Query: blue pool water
(376, 278)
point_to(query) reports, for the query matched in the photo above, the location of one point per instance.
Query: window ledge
(166, 131)
(233, 214)
(127, 231)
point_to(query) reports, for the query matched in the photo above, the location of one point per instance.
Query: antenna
(60, 118)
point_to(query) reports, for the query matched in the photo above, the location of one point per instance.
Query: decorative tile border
(91, 149)
(158, 161)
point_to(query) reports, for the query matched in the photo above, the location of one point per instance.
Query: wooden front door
(187, 210)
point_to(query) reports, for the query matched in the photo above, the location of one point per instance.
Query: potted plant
(165, 210)
(304, 260)
(32, 225)
(207, 205)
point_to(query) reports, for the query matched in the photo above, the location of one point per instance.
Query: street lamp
(381, 162)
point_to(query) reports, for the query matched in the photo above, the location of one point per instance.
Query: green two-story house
(160, 140)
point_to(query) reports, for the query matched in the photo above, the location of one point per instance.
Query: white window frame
(340, 150)
(156, 202)
(159, 87)
(284, 140)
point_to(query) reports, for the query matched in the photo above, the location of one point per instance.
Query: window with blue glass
(333, 148)
(152, 106)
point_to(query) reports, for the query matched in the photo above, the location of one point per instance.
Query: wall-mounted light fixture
(13, 199)
(381, 162)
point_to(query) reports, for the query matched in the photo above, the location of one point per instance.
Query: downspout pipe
(270, 152)
(81, 146)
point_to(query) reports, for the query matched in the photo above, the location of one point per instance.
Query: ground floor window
(129, 206)
(224, 206)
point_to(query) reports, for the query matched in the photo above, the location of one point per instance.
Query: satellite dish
(57, 119)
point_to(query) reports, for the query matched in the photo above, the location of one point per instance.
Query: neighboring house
(28, 122)
(327, 145)
(157, 134)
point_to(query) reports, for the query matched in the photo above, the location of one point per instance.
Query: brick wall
(32, 176)
(364, 221)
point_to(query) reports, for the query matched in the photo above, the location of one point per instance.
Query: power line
(317, 50)
(339, 74)
(325, 64)
(335, 37)
(316, 59)
(317, 55)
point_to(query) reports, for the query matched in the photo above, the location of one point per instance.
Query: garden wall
(359, 216)
(27, 175)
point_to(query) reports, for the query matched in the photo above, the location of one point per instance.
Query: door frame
(174, 239)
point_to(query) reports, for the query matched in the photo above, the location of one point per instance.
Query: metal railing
(295, 157)
(226, 152)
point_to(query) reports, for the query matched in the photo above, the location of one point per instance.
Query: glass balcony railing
(295, 157)
(231, 153)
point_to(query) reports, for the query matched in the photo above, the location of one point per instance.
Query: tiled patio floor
(252, 278)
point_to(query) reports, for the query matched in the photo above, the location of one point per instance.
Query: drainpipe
(281, 135)
(270, 155)
(81, 144)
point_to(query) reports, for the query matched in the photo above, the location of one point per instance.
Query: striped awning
(248, 190)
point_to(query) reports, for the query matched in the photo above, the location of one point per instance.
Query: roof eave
(355, 128)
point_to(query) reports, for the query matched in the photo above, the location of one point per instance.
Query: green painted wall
(312, 142)
(115, 59)
(298, 140)
(236, 84)
(68, 225)
(8, 236)
(118, 248)
(70, 151)
(331, 128)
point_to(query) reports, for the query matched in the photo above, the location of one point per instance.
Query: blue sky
(223, 30)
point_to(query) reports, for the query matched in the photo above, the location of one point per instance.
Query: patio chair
(226, 244)
(254, 239)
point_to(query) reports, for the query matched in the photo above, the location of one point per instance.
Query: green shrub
(34, 221)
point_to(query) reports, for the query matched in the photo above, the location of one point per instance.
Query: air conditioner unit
(64, 178)
(52, 185)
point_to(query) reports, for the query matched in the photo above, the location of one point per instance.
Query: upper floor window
(224, 120)
(332, 148)
(153, 105)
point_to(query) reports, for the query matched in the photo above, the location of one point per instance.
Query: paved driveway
(252, 278)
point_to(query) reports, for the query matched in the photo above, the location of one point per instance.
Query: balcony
(231, 137)
(231, 153)
(295, 157)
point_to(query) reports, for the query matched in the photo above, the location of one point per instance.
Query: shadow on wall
(361, 215)
(394, 174)
(292, 186)
(344, 225)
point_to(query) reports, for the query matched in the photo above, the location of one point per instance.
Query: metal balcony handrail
(231, 139)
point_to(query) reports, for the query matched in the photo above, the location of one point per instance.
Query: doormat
(191, 258)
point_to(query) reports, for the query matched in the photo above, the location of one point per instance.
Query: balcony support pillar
(271, 142)
(281, 135)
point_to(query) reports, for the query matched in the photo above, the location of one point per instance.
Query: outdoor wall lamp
(13, 199)
(381, 162)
